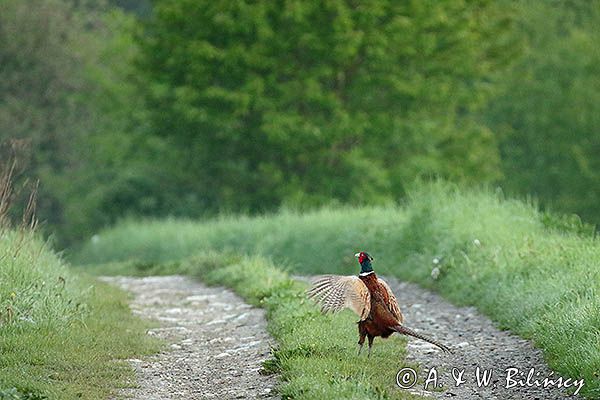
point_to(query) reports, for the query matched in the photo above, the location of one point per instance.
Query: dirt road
(477, 343)
(216, 342)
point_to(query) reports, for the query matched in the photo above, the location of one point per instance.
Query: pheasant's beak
(357, 255)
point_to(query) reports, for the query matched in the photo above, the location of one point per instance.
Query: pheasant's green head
(364, 259)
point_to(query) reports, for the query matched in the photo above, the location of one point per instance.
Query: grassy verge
(316, 354)
(62, 335)
(535, 273)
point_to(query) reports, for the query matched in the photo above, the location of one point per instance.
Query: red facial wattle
(361, 257)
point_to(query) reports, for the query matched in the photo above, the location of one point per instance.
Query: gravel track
(477, 342)
(216, 342)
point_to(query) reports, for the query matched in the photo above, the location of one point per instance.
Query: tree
(40, 81)
(548, 112)
(271, 102)
(66, 90)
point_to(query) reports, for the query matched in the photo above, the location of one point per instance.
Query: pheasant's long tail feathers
(407, 331)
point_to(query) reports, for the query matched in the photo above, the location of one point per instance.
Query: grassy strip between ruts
(534, 273)
(316, 354)
(62, 335)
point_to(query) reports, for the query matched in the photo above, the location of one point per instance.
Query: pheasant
(368, 296)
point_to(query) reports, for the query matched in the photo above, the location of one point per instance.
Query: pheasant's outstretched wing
(335, 292)
(391, 302)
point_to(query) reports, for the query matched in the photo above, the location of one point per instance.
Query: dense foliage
(548, 115)
(189, 107)
(64, 96)
(300, 101)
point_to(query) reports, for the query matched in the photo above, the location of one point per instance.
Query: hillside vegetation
(534, 273)
(122, 113)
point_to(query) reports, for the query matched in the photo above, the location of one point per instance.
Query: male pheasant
(368, 296)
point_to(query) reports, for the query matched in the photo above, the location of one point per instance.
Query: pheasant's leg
(361, 340)
(370, 344)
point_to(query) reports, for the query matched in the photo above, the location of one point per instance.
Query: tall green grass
(535, 273)
(61, 334)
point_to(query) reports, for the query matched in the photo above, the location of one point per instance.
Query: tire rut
(477, 342)
(216, 342)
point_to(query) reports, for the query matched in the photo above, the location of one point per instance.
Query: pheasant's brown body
(380, 318)
(370, 297)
